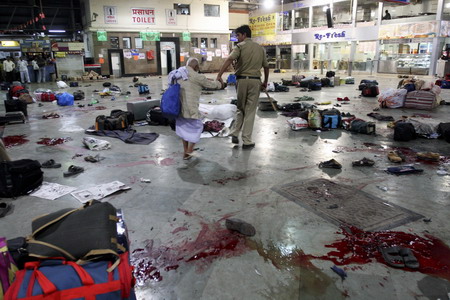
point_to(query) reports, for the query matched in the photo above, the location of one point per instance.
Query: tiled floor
(176, 222)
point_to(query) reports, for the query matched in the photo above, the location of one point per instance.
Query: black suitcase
(370, 91)
(444, 131)
(128, 114)
(404, 132)
(12, 105)
(19, 177)
(155, 117)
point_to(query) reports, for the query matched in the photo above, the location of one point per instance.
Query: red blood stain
(185, 212)
(100, 107)
(14, 140)
(212, 242)
(53, 142)
(361, 247)
(167, 162)
(176, 230)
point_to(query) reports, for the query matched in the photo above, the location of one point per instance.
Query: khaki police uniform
(250, 57)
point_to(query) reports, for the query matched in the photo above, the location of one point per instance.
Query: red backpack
(48, 97)
(17, 90)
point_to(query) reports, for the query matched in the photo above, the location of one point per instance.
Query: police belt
(248, 77)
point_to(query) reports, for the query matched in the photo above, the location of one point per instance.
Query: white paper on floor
(52, 191)
(99, 191)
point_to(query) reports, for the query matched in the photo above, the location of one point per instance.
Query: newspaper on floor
(99, 191)
(52, 191)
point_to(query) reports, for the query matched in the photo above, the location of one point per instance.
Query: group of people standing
(11, 68)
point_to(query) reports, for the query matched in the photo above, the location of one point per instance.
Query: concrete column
(355, 7)
(352, 56)
(310, 16)
(310, 55)
(377, 52)
(437, 41)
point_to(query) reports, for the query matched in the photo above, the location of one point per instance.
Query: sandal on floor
(332, 163)
(50, 164)
(188, 156)
(4, 209)
(365, 162)
(392, 256)
(403, 170)
(91, 159)
(73, 170)
(240, 226)
(409, 259)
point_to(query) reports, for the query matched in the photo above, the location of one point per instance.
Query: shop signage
(143, 16)
(101, 36)
(171, 16)
(329, 35)
(10, 44)
(186, 36)
(110, 13)
(409, 30)
(35, 46)
(263, 25)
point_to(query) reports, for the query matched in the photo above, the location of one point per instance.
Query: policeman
(250, 58)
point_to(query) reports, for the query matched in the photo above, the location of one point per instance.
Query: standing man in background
(250, 58)
(23, 69)
(41, 63)
(8, 67)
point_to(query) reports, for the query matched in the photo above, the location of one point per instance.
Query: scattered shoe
(50, 116)
(394, 157)
(234, 139)
(332, 163)
(4, 209)
(188, 156)
(248, 146)
(365, 162)
(40, 104)
(50, 164)
(240, 226)
(392, 257)
(431, 156)
(92, 159)
(73, 170)
(409, 259)
(403, 170)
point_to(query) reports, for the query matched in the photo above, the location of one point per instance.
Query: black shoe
(4, 209)
(248, 146)
(332, 163)
(234, 139)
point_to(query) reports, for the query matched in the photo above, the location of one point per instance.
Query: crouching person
(189, 125)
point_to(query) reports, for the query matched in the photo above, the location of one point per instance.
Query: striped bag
(421, 100)
(8, 268)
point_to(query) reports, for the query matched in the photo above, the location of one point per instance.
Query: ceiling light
(53, 31)
(268, 3)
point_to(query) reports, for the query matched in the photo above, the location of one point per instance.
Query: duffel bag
(404, 132)
(315, 85)
(368, 81)
(19, 177)
(444, 131)
(128, 114)
(78, 95)
(65, 99)
(155, 117)
(330, 74)
(331, 118)
(110, 123)
(361, 126)
(370, 91)
(76, 234)
(421, 100)
(48, 97)
(445, 84)
(60, 279)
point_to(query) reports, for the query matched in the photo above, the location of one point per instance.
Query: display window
(301, 18)
(319, 18)
(415, 9)
(366, 11)
(406, 58)
(342, 12)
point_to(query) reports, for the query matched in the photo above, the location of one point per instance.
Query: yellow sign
(60, 54)
(10, 44)
(263, 25)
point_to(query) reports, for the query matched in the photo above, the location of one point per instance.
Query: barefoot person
(189, 126)
(250, 57)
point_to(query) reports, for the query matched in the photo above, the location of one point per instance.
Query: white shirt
(35, 65)
(8, 66)
(23, 65)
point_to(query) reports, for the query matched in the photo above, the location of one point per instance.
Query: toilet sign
(171, 16)
(143, 16)
(110, 13)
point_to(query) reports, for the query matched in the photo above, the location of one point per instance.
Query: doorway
(168, 52)
(116, 65)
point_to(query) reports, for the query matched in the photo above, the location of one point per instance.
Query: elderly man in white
(23, 69)
(189, 125)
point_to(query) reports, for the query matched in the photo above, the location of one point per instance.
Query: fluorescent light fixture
(56, 31)
(268, 3)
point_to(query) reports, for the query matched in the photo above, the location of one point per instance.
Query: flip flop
(409, 259)
(365, 162)
(50, 164)
(392, 257)
(403, 170)
(73, 170)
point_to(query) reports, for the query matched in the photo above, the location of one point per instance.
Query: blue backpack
(170, 102)
(143, 89)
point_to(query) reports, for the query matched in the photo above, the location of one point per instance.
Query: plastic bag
(65, 99)
(270, 87)
(298, 123)
(218, 112)
(62, 84)
(392, 98)
(314, 119)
